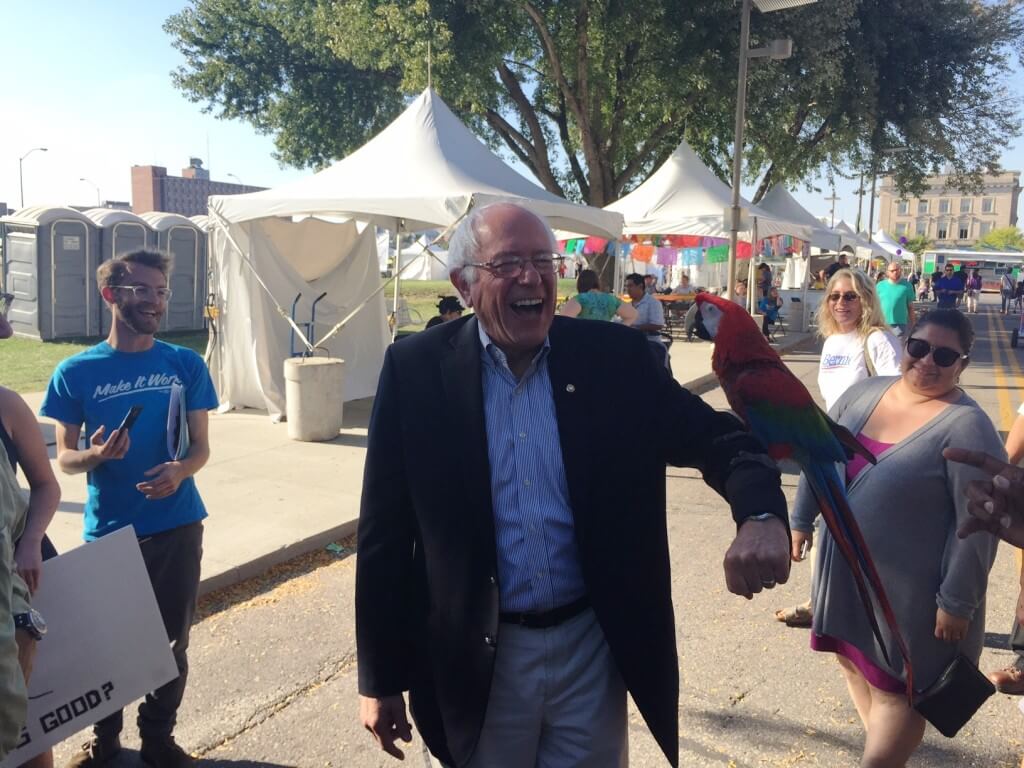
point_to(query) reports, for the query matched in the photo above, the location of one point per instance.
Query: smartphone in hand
(130, 417)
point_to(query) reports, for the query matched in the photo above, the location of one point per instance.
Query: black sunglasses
(943, 356)
(849, 297)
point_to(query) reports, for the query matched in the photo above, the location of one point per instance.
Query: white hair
(464, 245)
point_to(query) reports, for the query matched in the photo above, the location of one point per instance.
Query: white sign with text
(105, 645)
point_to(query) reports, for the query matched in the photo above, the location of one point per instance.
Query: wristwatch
(762, 516)
(32, 622)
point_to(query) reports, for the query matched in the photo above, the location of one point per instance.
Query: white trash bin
(313, 397)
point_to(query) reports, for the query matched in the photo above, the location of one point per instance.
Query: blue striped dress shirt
(538, 561)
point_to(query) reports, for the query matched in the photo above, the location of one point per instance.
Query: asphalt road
(274, 661)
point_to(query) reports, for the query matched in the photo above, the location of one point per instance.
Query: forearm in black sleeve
(384, 563)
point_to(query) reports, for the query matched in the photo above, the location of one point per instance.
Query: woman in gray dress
(909, 506)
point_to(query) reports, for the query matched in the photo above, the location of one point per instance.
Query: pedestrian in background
(948, 288)
(591, 303)
(896, 297)
(1007, 290)
(910, 530)
(972, 289)
(857, 345)
(133, 480)
(448, 308)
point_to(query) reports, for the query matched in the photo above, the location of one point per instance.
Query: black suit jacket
(426, 586)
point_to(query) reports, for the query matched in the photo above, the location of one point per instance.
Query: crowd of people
(518, 619)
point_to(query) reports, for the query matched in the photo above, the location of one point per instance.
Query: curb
(264, 563)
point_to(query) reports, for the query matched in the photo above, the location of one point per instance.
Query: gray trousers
(557, 699)
(172, 560)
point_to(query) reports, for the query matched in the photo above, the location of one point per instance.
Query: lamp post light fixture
(776, 50)
(232, 176)
(96, 187)
(21, 182)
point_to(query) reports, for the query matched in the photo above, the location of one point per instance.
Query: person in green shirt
(897, 298)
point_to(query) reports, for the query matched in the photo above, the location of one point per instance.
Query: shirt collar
(496, 355)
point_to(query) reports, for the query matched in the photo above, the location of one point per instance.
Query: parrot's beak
(699, 328)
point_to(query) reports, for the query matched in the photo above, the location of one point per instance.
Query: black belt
(546, 619)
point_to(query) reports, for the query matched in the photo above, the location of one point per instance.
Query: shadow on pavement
(207, 763)
(769, 732)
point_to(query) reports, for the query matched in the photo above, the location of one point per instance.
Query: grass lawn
(26, 364)
(421, 297)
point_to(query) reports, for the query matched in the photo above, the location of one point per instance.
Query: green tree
(591, 96)
(918, 245)
(1004, 238)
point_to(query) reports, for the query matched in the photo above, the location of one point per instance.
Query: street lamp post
(97, 188)
(834, 199)
(231, 175)
(777, 49)
(21, 181)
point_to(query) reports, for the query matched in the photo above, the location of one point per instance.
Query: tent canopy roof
(779, 202)
(859, 242)
(426, 169)
(683, 197)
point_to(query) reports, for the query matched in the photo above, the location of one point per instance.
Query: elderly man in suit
(518, 588)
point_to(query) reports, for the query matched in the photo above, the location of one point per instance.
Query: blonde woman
(858, 344)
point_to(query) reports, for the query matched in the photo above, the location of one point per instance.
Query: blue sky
(91, 82)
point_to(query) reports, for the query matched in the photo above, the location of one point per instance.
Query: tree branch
(641, 156)
(539, 147)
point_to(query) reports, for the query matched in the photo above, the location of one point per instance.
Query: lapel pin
(570, 387)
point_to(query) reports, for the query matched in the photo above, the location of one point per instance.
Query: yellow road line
(1006, 409)
(1017, 374)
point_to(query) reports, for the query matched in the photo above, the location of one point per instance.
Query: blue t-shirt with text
(97, 387)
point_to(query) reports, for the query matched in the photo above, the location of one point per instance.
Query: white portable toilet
(49, 264)
(120, 232)
(184, 241)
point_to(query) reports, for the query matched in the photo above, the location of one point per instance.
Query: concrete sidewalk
(271, 498)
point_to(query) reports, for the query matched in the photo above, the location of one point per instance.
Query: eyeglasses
(510, 267)
(145, 293)
(943, 356)
(849, 297)
(6, 299)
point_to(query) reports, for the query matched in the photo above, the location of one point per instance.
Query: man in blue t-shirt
(948, 288)
(140, 476)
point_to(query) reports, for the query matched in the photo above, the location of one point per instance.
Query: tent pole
(751, 304)
(806, 281)
(398, 279)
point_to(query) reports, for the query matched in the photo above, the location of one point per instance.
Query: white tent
(882, 240)
(779, 202)
(683, 197)
(425, 170)
(864, 249)
(422, 261)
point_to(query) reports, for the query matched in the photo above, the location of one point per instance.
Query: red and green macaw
(777, 407)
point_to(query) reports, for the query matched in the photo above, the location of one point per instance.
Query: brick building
(154, 190)
(947, 216)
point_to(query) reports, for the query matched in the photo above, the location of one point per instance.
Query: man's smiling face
(516, 312)
(141, 314)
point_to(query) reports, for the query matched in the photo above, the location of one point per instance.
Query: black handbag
(951, 701)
